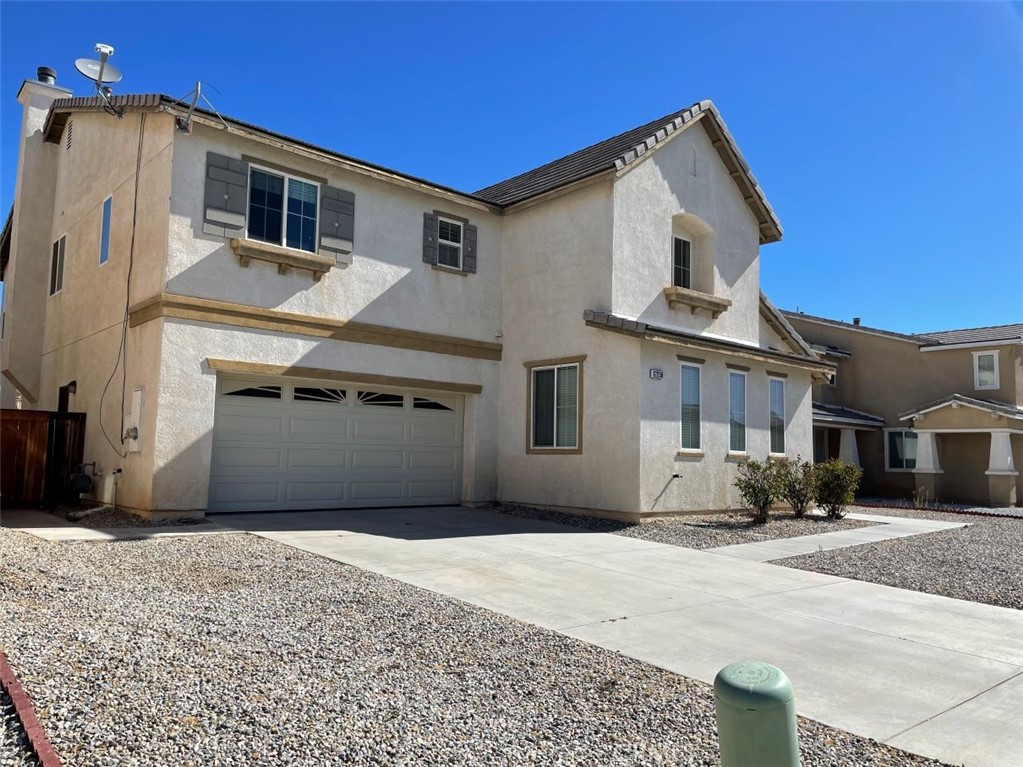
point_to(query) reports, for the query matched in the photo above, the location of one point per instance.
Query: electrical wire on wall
(122, 348)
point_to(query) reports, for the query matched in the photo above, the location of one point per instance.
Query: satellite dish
(98, 71)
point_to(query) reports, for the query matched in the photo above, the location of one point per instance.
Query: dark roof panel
(977, 335)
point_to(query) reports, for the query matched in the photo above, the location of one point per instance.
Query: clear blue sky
(888, 137)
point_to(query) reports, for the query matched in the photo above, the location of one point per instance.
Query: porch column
(928, 468)
(1001, 471)
(847, 447)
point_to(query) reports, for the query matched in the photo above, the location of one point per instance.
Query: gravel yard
(704, 531)
(234, 650)
(101, 517)
(14, 750)
(980, 563)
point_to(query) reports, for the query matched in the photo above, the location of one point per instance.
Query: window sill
(678, 298)
(777, 457)
(737, 456)
(554, 451)
(285, 258)
(449, 270)
(687, 454)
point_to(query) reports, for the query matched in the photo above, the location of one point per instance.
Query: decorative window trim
(887, 455)
(976, 371)
(695, 301)
(553, 364)
(698, 450)
(285, 258)
(105, 221)
(58, 255)
(745, 413)
(770, 448)
(287, 177)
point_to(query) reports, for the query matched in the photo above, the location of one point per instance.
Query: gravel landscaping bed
(704, 531)
(234, 650)
(980, 563)
(101, 517)
(14, 750)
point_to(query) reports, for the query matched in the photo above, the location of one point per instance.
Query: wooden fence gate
(39, 451)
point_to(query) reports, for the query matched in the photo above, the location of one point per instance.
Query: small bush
(795, 484)
(835, 484)
(758, 486)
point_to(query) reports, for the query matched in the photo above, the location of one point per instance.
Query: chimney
(47, 75)
(856, 320)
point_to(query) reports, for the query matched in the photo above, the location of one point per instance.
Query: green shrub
(795, 484)
(758, 486)
(835, 484)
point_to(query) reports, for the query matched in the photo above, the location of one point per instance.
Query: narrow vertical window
(777, 415)
(682, 263)
(736, 412)
(104, 231)
(449, 248)
(57, 266)
(985, 370)
(301, 215)
(266, 201)
(555, 416)
(690, 407)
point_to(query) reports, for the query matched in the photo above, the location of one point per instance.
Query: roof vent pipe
(47, 75)
(856, 320)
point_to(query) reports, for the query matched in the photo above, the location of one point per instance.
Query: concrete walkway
(935, 676)
(887, 528)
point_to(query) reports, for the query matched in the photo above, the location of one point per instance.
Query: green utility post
(756, 716)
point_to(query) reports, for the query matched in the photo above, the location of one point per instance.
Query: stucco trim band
(256, 317)
(297, 371)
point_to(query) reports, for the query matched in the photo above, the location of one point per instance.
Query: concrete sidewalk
(936, 676)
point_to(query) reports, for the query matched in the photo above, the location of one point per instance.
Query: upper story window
(682, 263)
(691, 407)
(985, 370)
(57, 266)
(282, 210)
(555, 404)
(449, 243)
(736, 412)
(900, 450)
(777, 395)
(104, 231)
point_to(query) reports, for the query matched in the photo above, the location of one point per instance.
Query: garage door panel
(364, 458)
(316, 459)
(322, 446)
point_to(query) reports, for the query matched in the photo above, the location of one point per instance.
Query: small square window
(985, 370)
(449, 246)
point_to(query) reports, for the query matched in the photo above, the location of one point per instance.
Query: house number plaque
(656, 373)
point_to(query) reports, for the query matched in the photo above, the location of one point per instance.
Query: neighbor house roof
(955, 400)
(619, 152)
(836, 414)
(614, 154)
(976, 335)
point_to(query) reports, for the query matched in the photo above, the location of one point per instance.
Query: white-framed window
(57, 266)
(690, 407)
(555, 398)
(681, 262)
(777, 406)
(104, 231)
(900, 450)
(736, 412)
(985, 370)
(283, 209)
(449, 243)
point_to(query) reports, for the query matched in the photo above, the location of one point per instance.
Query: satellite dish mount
(103, 74)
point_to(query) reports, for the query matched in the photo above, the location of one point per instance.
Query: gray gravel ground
(704, 531)
(14, 751)
(981, 563)
(100, 517)
(234, 650)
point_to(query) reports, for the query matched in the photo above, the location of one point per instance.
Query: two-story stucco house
(939, 413)
(252, 322)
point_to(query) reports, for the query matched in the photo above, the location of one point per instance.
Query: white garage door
(313, 445)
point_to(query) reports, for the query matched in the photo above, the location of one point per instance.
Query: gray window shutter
(469, 249)
(337, 223)
(431, 233)
(227, 185)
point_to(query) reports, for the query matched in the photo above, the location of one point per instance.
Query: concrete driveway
(936, 676)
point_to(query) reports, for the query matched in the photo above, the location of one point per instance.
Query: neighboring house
(253, 322)
(938, 413)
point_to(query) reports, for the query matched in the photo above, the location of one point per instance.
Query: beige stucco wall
(964, 459)
(387, 283)
(661, 196)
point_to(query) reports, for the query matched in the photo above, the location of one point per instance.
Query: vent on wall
(67, 135)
